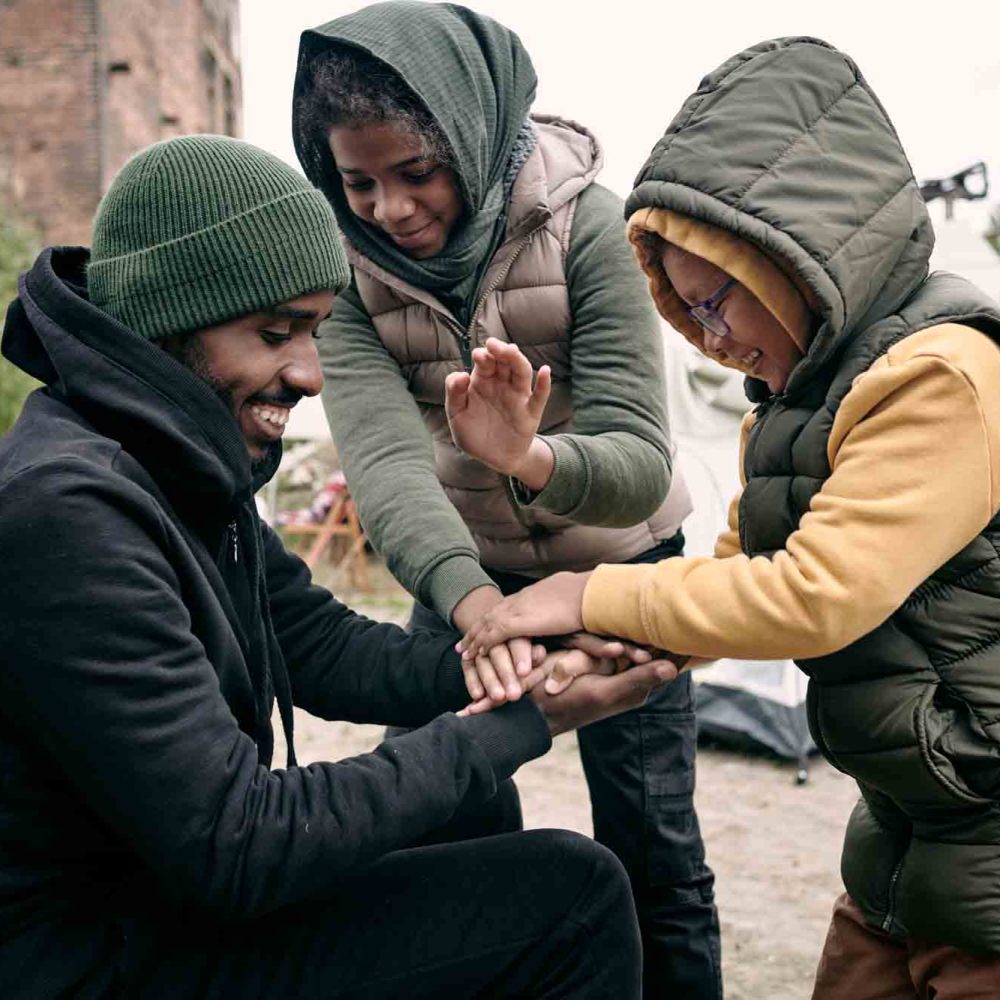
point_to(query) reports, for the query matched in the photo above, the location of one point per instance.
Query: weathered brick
(86, 83)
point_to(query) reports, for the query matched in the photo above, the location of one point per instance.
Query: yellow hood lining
(649, 228)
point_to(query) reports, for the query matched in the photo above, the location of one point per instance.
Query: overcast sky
(624, 71)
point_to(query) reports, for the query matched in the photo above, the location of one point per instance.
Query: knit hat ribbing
(201, 229)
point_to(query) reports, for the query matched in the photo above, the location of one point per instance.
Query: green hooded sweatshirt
(475, 78)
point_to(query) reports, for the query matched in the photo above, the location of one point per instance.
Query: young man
(150, 621)
(783, 233)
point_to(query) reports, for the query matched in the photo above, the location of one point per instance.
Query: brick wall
(86, 83)
(49, 140)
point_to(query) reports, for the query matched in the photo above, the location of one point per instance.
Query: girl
(467, 219)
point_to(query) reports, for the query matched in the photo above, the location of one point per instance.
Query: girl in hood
(783, 233)
(472, 226)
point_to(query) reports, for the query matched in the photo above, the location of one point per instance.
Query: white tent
(739, 701)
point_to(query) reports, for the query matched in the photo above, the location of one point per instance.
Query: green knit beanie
(202, 229)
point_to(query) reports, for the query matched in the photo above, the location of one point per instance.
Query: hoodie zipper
(234, 538)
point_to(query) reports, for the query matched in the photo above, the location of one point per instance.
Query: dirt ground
(774, 845)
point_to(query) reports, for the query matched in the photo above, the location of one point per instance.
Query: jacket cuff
(568, 485)
(449, 581)
(612, 601)
(509, 736)
(454, 692)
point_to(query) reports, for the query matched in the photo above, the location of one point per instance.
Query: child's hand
(584, 654)
(553, 606)
(492, 677)
(607, 651)
(494, 413)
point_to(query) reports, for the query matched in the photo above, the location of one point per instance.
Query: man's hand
(553, 606)
(497, 674)
(594, 697)
(494, 413)
(611, 656)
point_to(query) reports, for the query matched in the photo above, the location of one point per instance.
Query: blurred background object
(960, 243)
(970, 184)
(84, 85)
(18, 246)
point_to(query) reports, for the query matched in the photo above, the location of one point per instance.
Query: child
(466, 219)
(782, 232)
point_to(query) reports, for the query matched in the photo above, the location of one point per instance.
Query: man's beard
(188, 350)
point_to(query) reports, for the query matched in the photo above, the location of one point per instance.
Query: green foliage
(17, 249)
(993, 233)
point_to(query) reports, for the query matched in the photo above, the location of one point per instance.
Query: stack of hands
(494, 413)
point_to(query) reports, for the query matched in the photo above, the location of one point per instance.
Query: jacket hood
(475, 79)
(786, 147)
(471, 73)
(127, 387)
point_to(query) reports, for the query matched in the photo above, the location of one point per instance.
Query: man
(150, 622)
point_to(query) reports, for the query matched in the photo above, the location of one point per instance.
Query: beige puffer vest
(523, 299)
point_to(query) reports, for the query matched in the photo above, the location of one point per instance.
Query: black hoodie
(147, 617)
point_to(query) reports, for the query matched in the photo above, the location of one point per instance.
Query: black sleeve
(345, 666)
(102, 670)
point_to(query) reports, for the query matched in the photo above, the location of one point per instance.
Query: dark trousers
(640, 769)
(542, 914)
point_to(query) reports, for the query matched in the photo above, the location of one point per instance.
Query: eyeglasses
(705, 314)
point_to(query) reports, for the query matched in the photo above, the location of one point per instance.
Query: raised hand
(494, 413)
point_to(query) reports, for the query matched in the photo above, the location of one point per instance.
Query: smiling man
(150, 622)
(259, 365)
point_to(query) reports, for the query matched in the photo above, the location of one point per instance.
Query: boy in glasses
(790, 241)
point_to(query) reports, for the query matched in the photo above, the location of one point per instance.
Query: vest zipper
(519, 514)
(761, 412)
(891, 911)
(231, 528)
(466, 338)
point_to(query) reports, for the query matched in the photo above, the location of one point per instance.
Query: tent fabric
(755, 703)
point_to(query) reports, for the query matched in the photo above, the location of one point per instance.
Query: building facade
(86, 83)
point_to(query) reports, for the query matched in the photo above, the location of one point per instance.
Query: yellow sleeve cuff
(612, 601)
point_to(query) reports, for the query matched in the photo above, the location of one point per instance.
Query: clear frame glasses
(705, 313)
